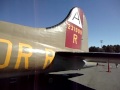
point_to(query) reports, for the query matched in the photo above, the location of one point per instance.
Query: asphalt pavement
(98, 77)
(94, 78)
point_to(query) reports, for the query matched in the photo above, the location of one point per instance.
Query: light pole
(101, 41)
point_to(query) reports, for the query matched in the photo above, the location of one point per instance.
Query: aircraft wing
(93, 56)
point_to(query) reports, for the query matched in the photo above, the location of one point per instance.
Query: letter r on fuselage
(21, 54)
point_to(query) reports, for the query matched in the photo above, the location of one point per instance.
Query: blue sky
(103, 16)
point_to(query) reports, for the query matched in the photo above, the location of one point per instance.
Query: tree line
(105, 48)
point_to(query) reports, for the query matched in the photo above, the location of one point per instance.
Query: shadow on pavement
(42, 82)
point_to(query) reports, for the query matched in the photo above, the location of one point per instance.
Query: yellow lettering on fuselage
(75, 37)
(22, 54)
(49, 57)
(8, 55)
(25, 52)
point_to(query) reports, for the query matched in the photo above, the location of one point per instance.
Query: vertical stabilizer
(76, 31)
(71, 33)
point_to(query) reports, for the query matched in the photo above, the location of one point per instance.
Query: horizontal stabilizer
(93, 56)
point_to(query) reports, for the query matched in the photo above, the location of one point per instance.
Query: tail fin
(71, 34)
(75, 28)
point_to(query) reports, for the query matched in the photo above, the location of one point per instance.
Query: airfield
(94, 78)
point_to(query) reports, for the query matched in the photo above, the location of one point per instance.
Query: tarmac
(94, 78)
(97, 78)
